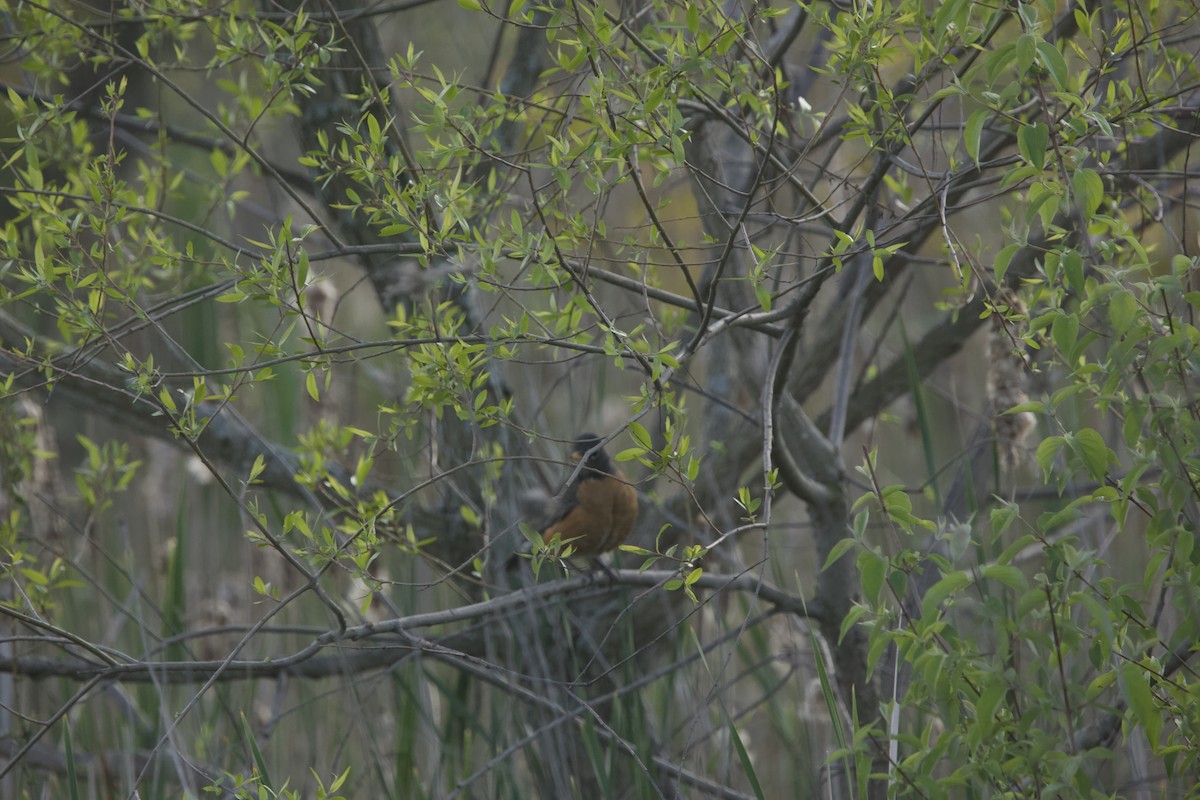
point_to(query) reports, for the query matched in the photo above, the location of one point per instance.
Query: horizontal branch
(391, 640)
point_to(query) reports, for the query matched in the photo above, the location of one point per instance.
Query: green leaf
(1052, 520)
(1065, 333)
(878, 646)
(256, 468)
(838, 550)
(985, 709)
(851, 619)
(1003, 258)
(1141, 701)
(532, 535)
(641, 435)
(1036, 406)
(1010, 576)
(950, 584)
(973, 132)
(1072, 267)
(220, 162)
(1002, 517)
(1122, 310)
(1032, 141)
(1026, 52)
(872, 568)
(1088, 188)
(1095, 454)
(762, 293)
(1016, 547)
(1054, 63)
(951, 11)
(1047, 451)
(471, 5)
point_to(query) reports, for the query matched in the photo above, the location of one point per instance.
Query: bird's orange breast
(604, 513)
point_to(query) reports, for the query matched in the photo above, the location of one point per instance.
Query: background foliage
(887, 309)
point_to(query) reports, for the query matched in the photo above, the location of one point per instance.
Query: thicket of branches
(888, 310)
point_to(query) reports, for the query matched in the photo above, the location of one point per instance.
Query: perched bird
(598, 508)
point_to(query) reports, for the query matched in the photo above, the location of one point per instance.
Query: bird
(598, 508)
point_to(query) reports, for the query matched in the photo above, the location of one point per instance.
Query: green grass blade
(260, 763)
(914, 383)
(72, 774)
(744, 757)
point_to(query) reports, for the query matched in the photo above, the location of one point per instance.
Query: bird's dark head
(595, 463)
